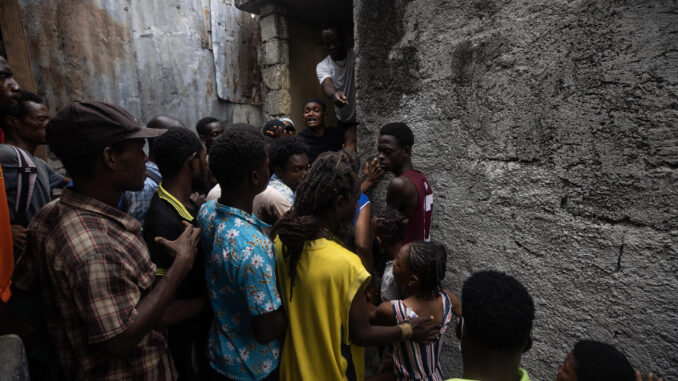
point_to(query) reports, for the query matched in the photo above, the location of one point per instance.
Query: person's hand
(18, 235)
(650, 377)
(279, 131)
(339, 99)
(184, 248)
(423, 329)
(373, 171)
(198, 199)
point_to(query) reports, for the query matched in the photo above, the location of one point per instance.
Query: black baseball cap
(84, 127)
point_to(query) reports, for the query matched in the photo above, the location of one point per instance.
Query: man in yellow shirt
(495, 328)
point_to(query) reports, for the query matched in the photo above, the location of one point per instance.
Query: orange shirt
(6, 253)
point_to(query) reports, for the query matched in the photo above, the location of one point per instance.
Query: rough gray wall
(548, 130)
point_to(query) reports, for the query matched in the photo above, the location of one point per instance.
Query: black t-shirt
(331, 140)
(162, 220)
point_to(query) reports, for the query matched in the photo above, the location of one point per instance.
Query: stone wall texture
(549, 132)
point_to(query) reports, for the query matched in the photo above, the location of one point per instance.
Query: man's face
(32, 127)
(214, 130)
(8, 86)
(567, 371)
(314, 116)
(391, 154)
(131, 168)
(295, 170)
(333, 44)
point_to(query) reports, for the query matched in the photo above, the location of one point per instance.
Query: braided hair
(427, 260)
(330, 176)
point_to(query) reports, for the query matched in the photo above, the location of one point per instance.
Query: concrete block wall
(275, 60)
(549, 132)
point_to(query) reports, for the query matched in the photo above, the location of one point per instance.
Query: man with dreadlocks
(322, 284)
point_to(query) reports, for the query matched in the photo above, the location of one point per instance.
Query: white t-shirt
(342, 75)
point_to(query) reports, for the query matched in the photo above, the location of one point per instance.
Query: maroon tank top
(419, 227)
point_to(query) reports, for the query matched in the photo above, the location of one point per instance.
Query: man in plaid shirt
(102, 301)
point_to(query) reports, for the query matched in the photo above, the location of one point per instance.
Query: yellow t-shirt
(317, 345)
(521, 371)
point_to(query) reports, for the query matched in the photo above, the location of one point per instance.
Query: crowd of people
(241, 253)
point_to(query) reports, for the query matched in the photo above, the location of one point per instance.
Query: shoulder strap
(154, 177)
(25, 183)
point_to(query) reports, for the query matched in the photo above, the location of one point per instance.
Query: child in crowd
(389, 231)
(594, 361)
(419, 269)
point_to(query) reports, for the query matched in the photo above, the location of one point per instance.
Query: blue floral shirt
(240, 274)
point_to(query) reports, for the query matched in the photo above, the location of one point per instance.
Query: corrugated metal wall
(152, 57)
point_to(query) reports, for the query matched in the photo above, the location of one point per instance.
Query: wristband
(406, 330)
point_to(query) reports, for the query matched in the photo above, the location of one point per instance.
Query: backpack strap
(154, 177)
(26, 177)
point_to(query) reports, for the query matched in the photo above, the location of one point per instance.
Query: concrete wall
(548, 130)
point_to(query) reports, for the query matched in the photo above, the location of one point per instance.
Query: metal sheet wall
(151, 57)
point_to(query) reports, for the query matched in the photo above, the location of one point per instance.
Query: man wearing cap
(101, 297)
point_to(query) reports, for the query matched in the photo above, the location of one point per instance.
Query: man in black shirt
(180, 157)
(318, 137)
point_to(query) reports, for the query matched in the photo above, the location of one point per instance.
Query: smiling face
(567, 371)
(391, 154)
(314, 115)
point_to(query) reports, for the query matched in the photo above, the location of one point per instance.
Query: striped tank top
(414, 361)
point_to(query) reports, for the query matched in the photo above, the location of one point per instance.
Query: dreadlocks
(330, 176)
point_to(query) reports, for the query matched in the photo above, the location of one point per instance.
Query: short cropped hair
(595, 361)
(20, 110)
(400, 131)
(236, 153)
(498, 311)
(172, 148)
(284, 147)
(202, 124)
(316, 100)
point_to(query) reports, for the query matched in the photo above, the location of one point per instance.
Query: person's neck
(393, 250)
(317, 131)
(180, 187)
(490, 365)
(20, 143)
(341, 55)
(240, 198)
(99, 189)
(407, 166)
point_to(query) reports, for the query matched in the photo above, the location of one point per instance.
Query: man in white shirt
(336, 76)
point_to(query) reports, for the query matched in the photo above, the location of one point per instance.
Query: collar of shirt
(78, 200)
(239, 213)
(176, 204)
(152, 167)
(281, 187)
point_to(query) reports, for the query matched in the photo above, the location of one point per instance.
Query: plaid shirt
(94, 269)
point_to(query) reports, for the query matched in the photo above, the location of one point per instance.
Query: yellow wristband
(406, 330)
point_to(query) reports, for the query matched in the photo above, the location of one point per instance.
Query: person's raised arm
(373, 173)
(364, 334)
(151, 307)
(337, 97)
(362, 238)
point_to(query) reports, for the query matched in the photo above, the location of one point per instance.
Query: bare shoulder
(401, 185)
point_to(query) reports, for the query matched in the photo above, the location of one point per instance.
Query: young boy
(408, 192)
(248, 320)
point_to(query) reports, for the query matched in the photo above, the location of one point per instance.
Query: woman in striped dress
(418, 270)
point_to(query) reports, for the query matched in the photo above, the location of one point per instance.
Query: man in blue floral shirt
(248, 319)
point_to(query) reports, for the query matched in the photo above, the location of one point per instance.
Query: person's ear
(339, 203)
(413, 281)
(277, 169)
(408, 150)
(109, 158)
(193, 163)
(12, 121)
(528, 346)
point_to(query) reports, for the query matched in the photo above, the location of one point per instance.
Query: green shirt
(523, 376)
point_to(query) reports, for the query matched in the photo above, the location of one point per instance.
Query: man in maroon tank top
(409, 192)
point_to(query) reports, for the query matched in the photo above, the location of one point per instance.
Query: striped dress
(414, 361)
